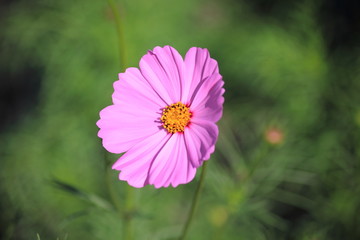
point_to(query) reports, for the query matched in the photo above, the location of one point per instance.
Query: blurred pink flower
(163, 116)
(274, 135)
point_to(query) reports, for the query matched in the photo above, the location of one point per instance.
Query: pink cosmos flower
(163, 116)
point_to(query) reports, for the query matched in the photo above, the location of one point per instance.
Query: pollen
(176, 117)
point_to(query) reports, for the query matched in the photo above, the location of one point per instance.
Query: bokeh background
(287, 161)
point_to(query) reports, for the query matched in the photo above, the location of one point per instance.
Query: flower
(163, 116)
(274, 135)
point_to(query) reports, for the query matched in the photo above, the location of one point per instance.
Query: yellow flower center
(176, 117)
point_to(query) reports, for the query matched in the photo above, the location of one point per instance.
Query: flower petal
(171, 165)
(184, 171)
(135, 164)
(164, 163)
(162, 68)
(200, 139)
(134, 113)
(208, 102)
(198, 67)
(121, 127)
(132, 90)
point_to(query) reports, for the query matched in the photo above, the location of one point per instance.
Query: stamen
(176, 117)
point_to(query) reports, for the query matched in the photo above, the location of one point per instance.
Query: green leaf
(91, 198)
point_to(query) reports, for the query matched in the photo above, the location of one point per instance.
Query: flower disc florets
(176, 117)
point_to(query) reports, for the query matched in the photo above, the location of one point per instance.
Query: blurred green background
(287, 160)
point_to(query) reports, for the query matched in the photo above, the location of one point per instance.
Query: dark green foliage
(283, 69)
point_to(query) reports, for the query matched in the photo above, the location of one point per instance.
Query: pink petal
(164, 163)
(132, 90)
(200, 139)
(135, 164)
(185, 171)
(159, 160)
(171, 165)
(122, 126)
(208, 102)
(134, 114)
(162, 68)
(198, 67)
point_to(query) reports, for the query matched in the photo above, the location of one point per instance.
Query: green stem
(128, 213)
(194, 202)
(113, 196)
(119, 30)
(126, 210)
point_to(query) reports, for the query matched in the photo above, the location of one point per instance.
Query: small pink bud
(274, 135)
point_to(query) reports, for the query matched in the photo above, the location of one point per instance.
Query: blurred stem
(128, 213)
(119, 30)
(113, 196)
(194, 202)
(128, 210)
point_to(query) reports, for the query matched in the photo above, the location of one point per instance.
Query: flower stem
(126, 210)
(194, 202)
(119, 30)
(114, 199)
(128, 213)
